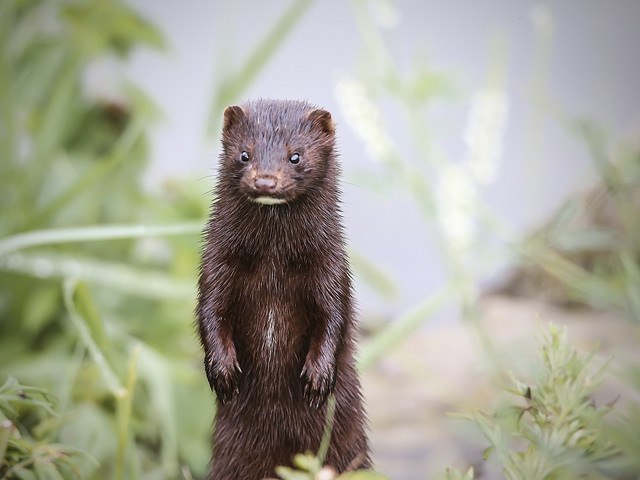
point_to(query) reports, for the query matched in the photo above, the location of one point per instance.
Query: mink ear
(321, 120)
(232, 116)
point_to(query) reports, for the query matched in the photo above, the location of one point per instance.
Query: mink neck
(297, 228)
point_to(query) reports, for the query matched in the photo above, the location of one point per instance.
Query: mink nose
(266, 184)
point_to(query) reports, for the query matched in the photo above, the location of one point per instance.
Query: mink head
(277, 151)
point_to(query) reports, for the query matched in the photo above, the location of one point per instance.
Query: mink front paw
(318, 383)
(223, 377)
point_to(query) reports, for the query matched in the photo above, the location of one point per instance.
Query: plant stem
(402, 327)
(111, 379)
(94, 233)
(6, 426)
(124, 412)
(328, 429)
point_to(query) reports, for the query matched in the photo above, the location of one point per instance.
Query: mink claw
(318, 386)
(316, 397)
(223, 381)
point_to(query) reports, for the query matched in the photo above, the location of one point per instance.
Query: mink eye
(244, 157)
(295, 158)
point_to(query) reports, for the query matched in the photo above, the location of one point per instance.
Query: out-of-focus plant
(445, 190)
(117, 351)
(589, 255)
(455, 474)
(309, 467)
(590, 248)
(553, 430)
(28, 417)
(590, 251)
(624, 432)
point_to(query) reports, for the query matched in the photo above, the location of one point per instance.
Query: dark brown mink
(275, 310)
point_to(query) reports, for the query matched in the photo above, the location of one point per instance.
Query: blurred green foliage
(309, 467)
(118, 350)
(551, 429)
(455, 474)
(28, 422)
(589, 254)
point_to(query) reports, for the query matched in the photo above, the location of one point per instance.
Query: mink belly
(268, 419)
(271, 348)
(254, 434)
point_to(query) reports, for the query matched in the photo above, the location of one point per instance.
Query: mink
(275, 304)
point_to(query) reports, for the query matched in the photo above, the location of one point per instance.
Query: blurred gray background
(593, 71)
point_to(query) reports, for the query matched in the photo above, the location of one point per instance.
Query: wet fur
(275, 310)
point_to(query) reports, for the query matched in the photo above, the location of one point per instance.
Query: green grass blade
(111, 379)
(122, 277)
(232, 88)
(88, 309)
(155, 369)
(591, 288)
(95, 233)
(632, 283)
(328, 430)
(124, 412)
(402, 327)
(51, 129)
(7, 115)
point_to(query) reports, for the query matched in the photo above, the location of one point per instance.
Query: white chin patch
(268, 200)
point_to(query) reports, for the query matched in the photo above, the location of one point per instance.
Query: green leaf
(43, 304)
(88, 310)
(46, 470)
(455, 474)
(486, 453)
(23, 474)
(307, 462)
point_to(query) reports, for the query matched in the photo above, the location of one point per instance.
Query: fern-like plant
(28, 422)
(553, 430)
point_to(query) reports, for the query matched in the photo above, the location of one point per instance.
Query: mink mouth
(267, 200)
